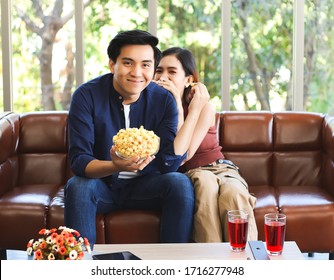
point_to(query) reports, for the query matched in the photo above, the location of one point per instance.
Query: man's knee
(79, 186)
(179, 179)
(180, 186)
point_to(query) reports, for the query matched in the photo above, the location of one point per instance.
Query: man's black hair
(133, 37)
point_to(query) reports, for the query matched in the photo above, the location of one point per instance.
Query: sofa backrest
(33, 149)
(277, 149)
(42, 148)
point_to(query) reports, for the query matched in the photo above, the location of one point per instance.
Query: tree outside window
(261, 48)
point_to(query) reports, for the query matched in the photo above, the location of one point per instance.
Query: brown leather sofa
(287, 158)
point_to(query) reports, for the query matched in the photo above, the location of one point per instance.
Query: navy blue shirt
(96, 115)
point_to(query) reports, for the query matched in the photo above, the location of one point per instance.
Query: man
(104, 182)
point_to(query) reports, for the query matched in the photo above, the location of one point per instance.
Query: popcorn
(133, 142)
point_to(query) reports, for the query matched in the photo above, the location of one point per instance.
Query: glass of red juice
(274, 230)
(237, 229)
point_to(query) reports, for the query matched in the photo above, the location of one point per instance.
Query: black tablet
(125, 255)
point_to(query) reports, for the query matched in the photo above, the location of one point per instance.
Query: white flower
(73, 255)
(88, 249)
(29, 251)
(51, 256)
(49, 240)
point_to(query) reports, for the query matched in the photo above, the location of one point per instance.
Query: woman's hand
(169, 85)
(197, 97)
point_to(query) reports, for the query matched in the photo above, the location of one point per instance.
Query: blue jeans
(171, 193)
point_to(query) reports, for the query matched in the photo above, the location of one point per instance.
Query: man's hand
(130, 164)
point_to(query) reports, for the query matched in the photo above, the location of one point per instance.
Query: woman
(217, 183)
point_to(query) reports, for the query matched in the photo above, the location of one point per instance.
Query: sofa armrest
(328, 138)
(9, 133)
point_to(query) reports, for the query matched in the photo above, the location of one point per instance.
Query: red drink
(238, 229)
(275, 234)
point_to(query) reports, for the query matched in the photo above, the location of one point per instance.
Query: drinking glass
(274, 230)
(237, 229)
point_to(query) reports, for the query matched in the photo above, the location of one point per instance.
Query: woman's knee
(205, 182)
(234, 193)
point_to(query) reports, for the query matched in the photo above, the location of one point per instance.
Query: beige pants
(218, 189)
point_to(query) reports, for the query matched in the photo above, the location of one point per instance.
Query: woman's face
(170, 68)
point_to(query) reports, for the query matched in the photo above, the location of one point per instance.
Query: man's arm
(103, 168)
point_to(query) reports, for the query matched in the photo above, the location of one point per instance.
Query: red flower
(86, 242)
(31, 241)
(81, 255)
(65, 234)
(71, 240)
(62, 250)
(38, 255)
(59, 241)
(42, 231)
(42, 245)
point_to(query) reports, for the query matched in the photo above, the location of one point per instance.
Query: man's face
(133, 71)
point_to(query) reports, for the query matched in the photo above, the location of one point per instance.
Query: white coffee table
(179, 251)
(194, 251)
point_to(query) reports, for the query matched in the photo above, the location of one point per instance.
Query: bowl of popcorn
(132, 142)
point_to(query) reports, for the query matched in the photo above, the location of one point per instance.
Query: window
(319, 56)
(109, 18)
(262, 70)
(43, 53)
(195, 25)
(261, 55)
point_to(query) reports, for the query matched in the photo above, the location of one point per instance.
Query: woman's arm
(205, 121)
(200, 117)
(197, 122)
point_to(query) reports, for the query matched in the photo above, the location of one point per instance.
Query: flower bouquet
(58, 244)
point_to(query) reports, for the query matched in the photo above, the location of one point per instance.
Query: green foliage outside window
(261, 48)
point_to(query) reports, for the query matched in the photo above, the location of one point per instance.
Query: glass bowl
(119, 154)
